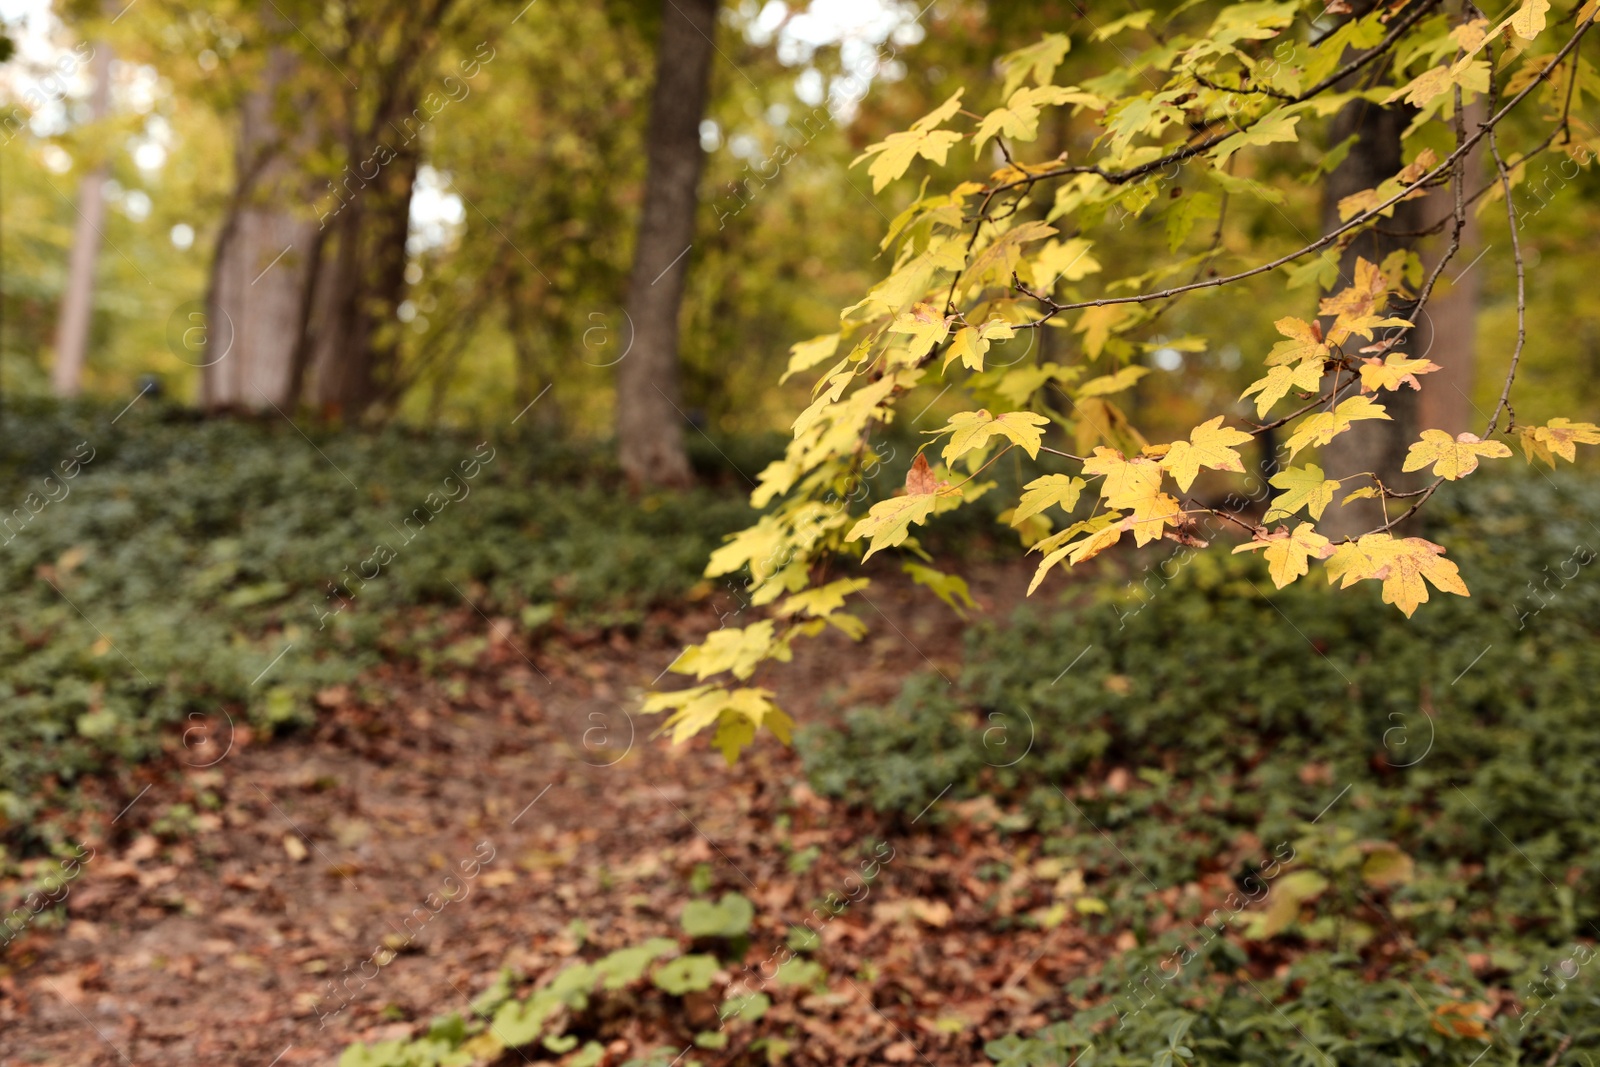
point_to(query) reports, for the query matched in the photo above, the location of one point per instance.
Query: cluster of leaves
(187, 556)
(1220, 724)
(993, 257)
(571, 1007)
(1321, 1010)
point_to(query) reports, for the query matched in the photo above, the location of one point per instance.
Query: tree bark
(1449, 325)
(649, 416)
(1375, 446)
(77, 303)
(357, 334)
(261, 273)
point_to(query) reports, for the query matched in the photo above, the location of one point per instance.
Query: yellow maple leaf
(1279, 380)
(1304, 342)
(1324, 426)
(1303, 487)
(1393, 371)
(1042, 493)
(1362, 297)
(1400, 564)
(1559, 437)
(971, 430)
(1129, 482)
(888, 522)
(1452, 457)
(1152, 516)
(1288, 554)
(1209, 445)
(926, 326)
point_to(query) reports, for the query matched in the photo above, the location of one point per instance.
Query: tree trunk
(1374, 446)
(77, 302)
(1449, 326)
(263, 267)
(649, 416)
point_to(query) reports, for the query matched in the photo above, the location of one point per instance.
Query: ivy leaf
(1129, 482)
(1324, 426)
(1271, 129)
(1452, 457)
(1400, 564)
(1279, 380)
(1303, 487)
(1288, 554)
(1041, 493)
(1209, 445)
(1393, 371)
(972, 430)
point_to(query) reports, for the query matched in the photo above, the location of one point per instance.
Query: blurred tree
(649, 416)
(77, 304)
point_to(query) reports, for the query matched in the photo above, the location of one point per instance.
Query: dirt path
(304, 858)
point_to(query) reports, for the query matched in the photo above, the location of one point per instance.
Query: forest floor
(216, 942)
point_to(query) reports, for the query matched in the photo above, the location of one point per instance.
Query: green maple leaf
(1042, 493)
(1303, 487)
(1271, 129)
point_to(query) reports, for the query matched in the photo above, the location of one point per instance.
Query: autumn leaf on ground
(971, 430)
(1041, 493)
(1559, 437)
(1288, 554)
(1303, 487)
(1324, 426)
(1209, 445)
(1279, 380)
(1400, 564)
(1393, 371)
(1452, 457)
(1129, 482)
